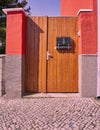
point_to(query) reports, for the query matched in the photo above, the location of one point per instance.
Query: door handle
(48, 55)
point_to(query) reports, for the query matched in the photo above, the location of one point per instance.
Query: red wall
(95, 25)
(87, 44)
(87, 22)
(15, 37)
(71, 7)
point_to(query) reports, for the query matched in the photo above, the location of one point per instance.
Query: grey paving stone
(58, 113)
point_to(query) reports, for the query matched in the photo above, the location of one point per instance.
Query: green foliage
(8, 4)
(2, 30)
(12, 4)
(2, 49)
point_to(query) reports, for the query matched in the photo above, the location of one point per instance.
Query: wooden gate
(60, 72)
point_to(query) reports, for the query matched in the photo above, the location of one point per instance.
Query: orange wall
(15, 37)
(71, 7)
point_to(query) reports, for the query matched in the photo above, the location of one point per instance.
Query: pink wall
(71, 7)
(15, 37)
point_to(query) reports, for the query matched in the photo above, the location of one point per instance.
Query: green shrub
(2, 49)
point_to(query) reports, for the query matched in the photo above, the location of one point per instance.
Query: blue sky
(44, 7)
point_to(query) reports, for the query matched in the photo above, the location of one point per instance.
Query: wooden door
(62, 66)
(60, 72)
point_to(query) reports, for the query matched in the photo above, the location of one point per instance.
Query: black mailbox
(63, 43)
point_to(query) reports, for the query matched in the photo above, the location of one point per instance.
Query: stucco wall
(15, 51)
(2, 70)
(88, 75)
(71, 7)
(15, 36)
(88, 52)
(87, 39)
(13, 77)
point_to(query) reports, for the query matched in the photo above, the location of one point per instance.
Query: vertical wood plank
(44, 47)
(35, 79)
(50, 67)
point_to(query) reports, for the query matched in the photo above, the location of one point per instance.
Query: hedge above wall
(2, 49)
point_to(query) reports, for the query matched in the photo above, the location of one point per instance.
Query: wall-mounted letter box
(63, 43)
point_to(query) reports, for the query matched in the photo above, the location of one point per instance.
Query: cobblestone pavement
(64, 113)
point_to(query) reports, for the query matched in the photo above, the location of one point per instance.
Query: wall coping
(2, 55)
(89, 54)
(84, 10)
(13, 10)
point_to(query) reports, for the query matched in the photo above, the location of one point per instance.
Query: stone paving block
(0, 63)
(68, 113)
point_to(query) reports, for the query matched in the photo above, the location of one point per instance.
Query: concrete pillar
(87, 53)
(15, 50)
